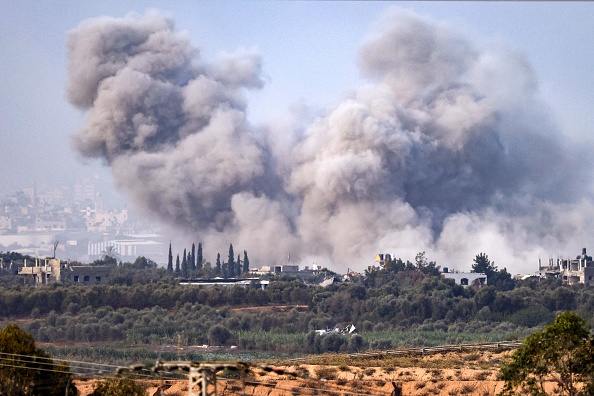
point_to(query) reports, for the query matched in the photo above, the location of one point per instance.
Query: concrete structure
(44, 271)
(276, 269)
(5, 223)
(329, 281)
(31, 220)
(243, 282)
(126, 249)
(314, 270)
(466, 278)
(578, 270)
(382, 258)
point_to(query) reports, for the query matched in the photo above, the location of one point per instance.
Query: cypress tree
(239, 268)
(231, 261)
(184, 266)
(190, 272)
(170, 261)
(246, 262)
(177, 269)
(218, 265)
(199, 258)
(193, 258)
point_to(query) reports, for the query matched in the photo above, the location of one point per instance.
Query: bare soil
(452, 374)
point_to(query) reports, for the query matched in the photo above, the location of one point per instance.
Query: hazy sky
(308, 51)
(310, 54)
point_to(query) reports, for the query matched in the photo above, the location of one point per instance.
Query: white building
(466, 278)
(127, 249)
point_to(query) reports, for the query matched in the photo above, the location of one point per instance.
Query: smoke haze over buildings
(446, 149)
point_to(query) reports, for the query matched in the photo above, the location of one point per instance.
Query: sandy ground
(448, 374)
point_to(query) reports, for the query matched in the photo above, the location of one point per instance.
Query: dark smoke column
(172, 129)
(174, 132)
(446, 146)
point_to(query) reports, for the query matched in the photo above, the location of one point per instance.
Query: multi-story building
(84, 191)
(570, 271)
(5, 223)
(382, 258)
(43, 271)
(128, 249)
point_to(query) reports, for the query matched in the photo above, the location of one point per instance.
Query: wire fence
(163, 371)
(501, 346)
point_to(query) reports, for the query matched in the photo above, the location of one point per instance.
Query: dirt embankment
(450, 374)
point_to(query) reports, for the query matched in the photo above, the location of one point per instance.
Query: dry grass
(442, 374)
(326, 372)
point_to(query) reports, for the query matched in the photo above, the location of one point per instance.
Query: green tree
(28, 370)
(483, 265)
(177, 267)
(193, 258)
(246, 262)
(118, 387)
(142, 262)
(501, 279)
(231, 262)
(426, 266)
(561, 351)
(199, 258)
(218, 335)
(184, 266)
(218, 269)
(170, 261)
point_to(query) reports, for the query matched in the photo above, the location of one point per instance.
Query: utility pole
(202, 377)
(55, 247)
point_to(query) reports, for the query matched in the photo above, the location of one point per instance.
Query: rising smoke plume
(447, 148)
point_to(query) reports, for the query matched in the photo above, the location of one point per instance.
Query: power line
(74, 366)
(202, 376)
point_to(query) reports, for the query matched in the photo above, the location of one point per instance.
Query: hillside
(452, 373)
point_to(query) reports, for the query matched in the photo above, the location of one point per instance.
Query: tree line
(563, 352)
(193, 265)
(403, 302)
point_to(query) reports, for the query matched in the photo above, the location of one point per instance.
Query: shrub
(482, 375)
(118, 387)
(218, 335)
(466, 389)
(325, 372)
(28, 370)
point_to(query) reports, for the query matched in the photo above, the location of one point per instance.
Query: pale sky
(308, 49)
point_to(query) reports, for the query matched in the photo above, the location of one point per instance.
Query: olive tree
(118, 387)
(28, 370)
(561, 352)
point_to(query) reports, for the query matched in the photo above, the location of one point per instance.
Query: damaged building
(570, 271)
(42, 271)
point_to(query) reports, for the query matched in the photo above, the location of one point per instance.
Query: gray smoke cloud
(446, 149)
